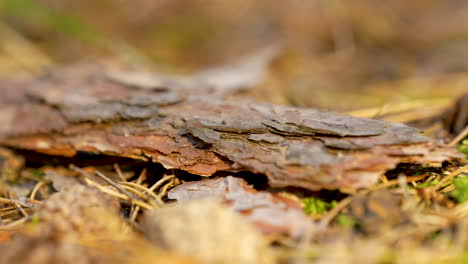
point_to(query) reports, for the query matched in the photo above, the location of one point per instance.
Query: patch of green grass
(56, 20)
(426, 184)
(35, 219)
(463, 147)
(460, 194)
(346, 221)
(316, 206)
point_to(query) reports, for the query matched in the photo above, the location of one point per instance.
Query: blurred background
(365, 57)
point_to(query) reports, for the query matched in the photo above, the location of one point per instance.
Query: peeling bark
(189, 128)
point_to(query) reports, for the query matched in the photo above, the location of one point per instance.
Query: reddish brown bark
(198, 129)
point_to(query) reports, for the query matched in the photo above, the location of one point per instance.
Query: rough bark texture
(202, 130)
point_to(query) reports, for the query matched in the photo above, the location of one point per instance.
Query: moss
(316, 206)
(59, 21)
(460, 194)
(463, 147)
(346, 221)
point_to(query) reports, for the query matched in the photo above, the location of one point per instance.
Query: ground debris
(81, 109)
(270, 213)
(80, 225)
(208, 232)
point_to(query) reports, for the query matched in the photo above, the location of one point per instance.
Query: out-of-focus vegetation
(366, 53)
(316, 206)
(460, 194)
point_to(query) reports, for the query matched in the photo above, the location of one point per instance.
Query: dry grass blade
(106, 179)
(160, 182)
(135, 208)
(115, 185)
(23, 212)
(164, 189)
(132, 191)
(13, 201)
(149, 194)
(118, 195)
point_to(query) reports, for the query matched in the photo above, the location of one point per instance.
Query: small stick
(11, 201)
(36, 189)
(141, 177)
(459, 137)
(21, 210)
(7, 208)
(14, 224)
(118, 195)
(142, 188)
(395, 182)
(450, 176)
(149, 194)
(163, 190)
(103, 177)
(134, 213)
(119, 172)
(328, 217)
(160, 182)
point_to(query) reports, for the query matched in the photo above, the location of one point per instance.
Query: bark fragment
(83, 109)
(270, 213)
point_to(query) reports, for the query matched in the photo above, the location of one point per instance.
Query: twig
(36, 189)
(163, 190)
(135, 208)
(134, 213)
(141, 177)
(115, 185)
(12, 212)
(103, 177)
(7, 208)
(450, 176)
(328, 217)
(14, 224)
(118, 195)
(12, 201)
(135, 192)
(459, 137)
(119, 172)
(144, 190)
(160, 182)
(21, 209)
(395, 182)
